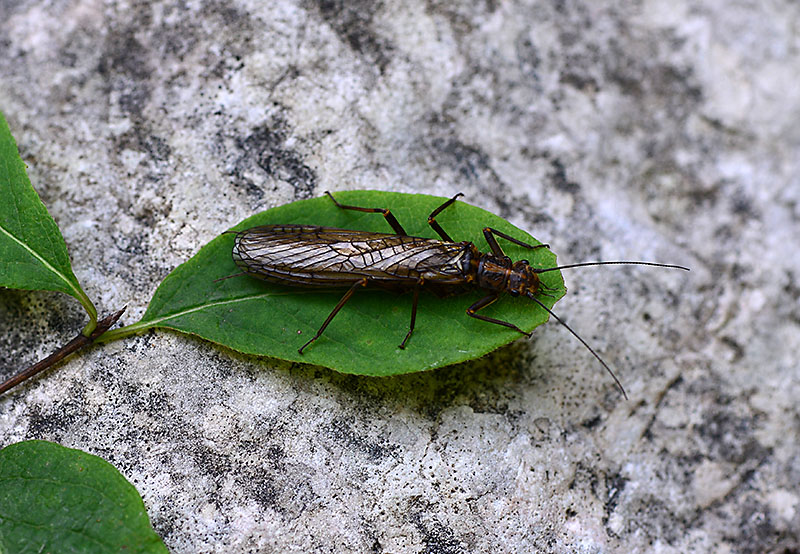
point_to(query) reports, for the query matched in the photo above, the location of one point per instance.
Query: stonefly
(312, 256)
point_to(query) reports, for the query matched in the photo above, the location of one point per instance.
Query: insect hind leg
(387, 214)
(413, 313)
(360, 283)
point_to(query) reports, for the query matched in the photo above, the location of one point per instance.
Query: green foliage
(33, 254)
(56, 499)
(255, 317)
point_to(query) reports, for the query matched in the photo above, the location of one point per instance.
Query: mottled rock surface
(658, 130)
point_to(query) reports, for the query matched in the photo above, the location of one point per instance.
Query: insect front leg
(390, 218)
(489, 234)
(486, 301)
(360, 283)
(435, 224)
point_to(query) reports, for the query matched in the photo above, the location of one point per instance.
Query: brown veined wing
(306, 255)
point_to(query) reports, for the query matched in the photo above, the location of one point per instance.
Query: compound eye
(513, 292)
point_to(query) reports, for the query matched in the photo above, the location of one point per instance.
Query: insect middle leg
(486, 301)
(387, 214)
(360, 283)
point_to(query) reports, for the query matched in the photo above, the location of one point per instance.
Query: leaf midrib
(149, 323)
(44, 262)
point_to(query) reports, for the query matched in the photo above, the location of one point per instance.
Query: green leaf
(33, 254)
(56, 499)
(255, 317)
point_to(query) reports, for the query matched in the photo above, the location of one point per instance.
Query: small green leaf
(33, 254)
(56, 499)
(255, 317)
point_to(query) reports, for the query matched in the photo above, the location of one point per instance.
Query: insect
(324, 257)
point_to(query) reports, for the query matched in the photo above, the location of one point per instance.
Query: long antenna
(584, 264)
(577, 336)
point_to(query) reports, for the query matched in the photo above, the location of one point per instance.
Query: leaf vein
(42, 260)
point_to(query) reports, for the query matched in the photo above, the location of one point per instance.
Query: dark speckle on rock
(353, 21)
(265, 147)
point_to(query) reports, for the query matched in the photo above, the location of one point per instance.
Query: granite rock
(637, 130)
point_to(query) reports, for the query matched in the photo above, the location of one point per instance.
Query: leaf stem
(90, 328)
(126, 331)
(74, 345)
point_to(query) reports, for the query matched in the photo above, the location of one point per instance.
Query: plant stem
(92, 311)
(74, 345)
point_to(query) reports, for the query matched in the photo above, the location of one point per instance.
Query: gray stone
(650, 130)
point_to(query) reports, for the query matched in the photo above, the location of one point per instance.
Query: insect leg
(435, 224)
(390, 218)
(489, 233)
(413, 313)
(485, 301)
(345, 298)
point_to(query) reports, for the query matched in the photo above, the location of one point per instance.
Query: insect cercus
(313, 256)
